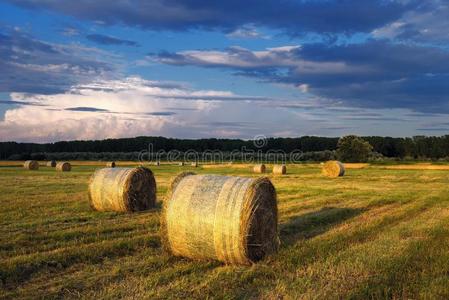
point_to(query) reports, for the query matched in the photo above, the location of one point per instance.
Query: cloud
(246, 32)
(32, 66)
(88, 109)
(427, 23)
(374, 74)
(110, 40)
(293, 17)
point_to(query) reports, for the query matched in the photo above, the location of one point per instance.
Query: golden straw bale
(194, 164)
(280, 169)
(259, 168)
(51, 163)
(333, 169)
(31, 165)
(213, 217)
(181, 164)
(122, 189)
(110, 164)
(63, 166)
(157, 163)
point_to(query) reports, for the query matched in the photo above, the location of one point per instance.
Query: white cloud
(247, 32)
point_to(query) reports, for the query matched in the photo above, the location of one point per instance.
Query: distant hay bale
(31, 165)
(259, 168)
(122, 189)
(156, 163)
(51, 163)
(63, 166)
(181, 164)
(230, 219)
(110, 164)
(194, 164)
(280, 169)
(333, 169)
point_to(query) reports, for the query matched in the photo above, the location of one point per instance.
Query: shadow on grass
(315, 223)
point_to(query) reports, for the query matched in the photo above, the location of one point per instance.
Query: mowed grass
(375, 233)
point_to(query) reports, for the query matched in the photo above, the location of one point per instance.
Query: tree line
(418, 147)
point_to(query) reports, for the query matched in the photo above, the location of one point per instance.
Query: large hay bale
(51, 163)
(230, 219)
(122, 189)
(333, 169)
(110, 164)
(63, 166)
(31, 165)
(280, 169)
(259, 168)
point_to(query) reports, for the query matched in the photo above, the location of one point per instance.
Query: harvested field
(374, 233)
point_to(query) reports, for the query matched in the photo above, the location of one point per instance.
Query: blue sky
(194, 68)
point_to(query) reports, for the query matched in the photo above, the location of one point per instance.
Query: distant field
(377, 232)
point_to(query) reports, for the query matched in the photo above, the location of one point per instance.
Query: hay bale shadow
(315, 223)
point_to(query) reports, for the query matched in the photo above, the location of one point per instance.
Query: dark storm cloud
(110, 40)
(373, 74)
(32, 66)
(294, 17)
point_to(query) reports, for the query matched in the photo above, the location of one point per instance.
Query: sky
(77, 70)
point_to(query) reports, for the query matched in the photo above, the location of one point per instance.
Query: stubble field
(377, 232)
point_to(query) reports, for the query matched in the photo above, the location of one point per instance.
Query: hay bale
(63, 166)
(110, 164)
(194, 164)
(51, 163)
(333, 169)
(31, 165)
(259, 168)
(122, 189)
(181, 164)
(280, 169)
(156, 163)
(230, 219)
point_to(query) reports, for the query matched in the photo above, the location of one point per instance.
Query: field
(377, 232)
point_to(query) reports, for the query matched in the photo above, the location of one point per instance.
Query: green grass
(375, 233)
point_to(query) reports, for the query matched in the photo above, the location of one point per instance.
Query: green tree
(352, 148)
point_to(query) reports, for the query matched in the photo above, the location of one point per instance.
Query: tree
(352, 148)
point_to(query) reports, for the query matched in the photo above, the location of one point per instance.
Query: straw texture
(333, 169)
(280, 169)
(63, 167)
(51, 163)
(31, 165)
(110, 164)
(230, 219)
(122, 189)
(259, 168)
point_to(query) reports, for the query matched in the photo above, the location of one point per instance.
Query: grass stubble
(374, 233)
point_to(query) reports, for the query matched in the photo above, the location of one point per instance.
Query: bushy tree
(352, 148)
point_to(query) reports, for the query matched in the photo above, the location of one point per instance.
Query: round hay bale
(230, 219)
(156, 163)
(31, 165)
(51, 163)
(181, 164)
(259, 168)
(63, 166)
(194, 164)
(280, 169)
(333, 169)
(110, 164)
(122, 189)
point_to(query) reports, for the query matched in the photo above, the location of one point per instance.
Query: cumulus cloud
(375, 74)
(118, 108)
(32, 66)
(294, 17)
